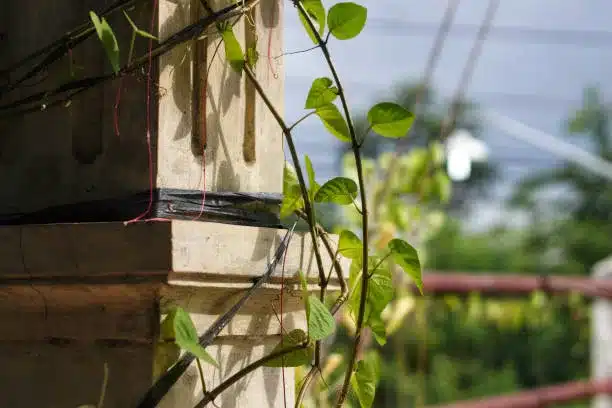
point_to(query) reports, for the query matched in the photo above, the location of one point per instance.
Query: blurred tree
(428, 128)
(584, 231)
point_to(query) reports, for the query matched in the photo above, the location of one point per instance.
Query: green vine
(374, 252)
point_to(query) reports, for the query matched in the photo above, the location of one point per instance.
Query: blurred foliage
(453, 348)
(501, 249)
(469, 348)
(428, 129)
(585, 221)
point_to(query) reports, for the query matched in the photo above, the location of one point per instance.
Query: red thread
(116, 110)
(150, 150)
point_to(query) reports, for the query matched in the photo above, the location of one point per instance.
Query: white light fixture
(461, 150)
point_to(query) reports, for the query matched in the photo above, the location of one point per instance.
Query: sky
(535, 74)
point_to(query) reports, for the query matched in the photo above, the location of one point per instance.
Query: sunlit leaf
(316, 11)
(380, 287)
(339, 190)
(320, 321)
(346, 20)
(107, 37)
(333, 121)
(365, 380)
(390, 119)
(313, 186)
(296, 358)
(187, 337)
(292, 193)
(349, 245)
(407, 258)
(233, 50)
(322, 92)
(138, 31)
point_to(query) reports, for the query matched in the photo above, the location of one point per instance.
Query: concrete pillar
(79, 289)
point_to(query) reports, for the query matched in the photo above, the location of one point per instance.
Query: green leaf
(408, 259)
(187, 337)
(380, 287)
(233, 50)
(316, 11)
(378, 328)
(295, 358)
(312, 183)
(108, 39)
(390, 119)
(252, 56)
(320, 322)
(166, 332)
(339, 190)
(165, 355)
(333, 121)
(292, 193)
(321, 93)
(349, 245)
(443, 185)
(346, 20)
(365, 380)
(304, 285)
(138, 31)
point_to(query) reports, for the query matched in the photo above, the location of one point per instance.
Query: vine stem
(308, 207)
(298, 170)
(364, 207)
(209, 397)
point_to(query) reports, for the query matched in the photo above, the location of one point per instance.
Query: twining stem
(305, 384)
(308, 208)
(332, 254)
(214, 393)
(364, 206)
(334, 309)
(298, 170)
(77, 86)
(301, 119)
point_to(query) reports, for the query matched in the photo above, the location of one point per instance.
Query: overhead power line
(554, 145)
(397, 27)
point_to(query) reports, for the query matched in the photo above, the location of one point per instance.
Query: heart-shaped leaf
(349, 245)
(333, 121)
(376, 324)
(320, 322)
(296, 358)
(380, 287)
(407, 258)
(346, 20)
(339, 190)
(292, 193)
(390, 119)
(316, 12)
(321, 93)
(365, 380)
